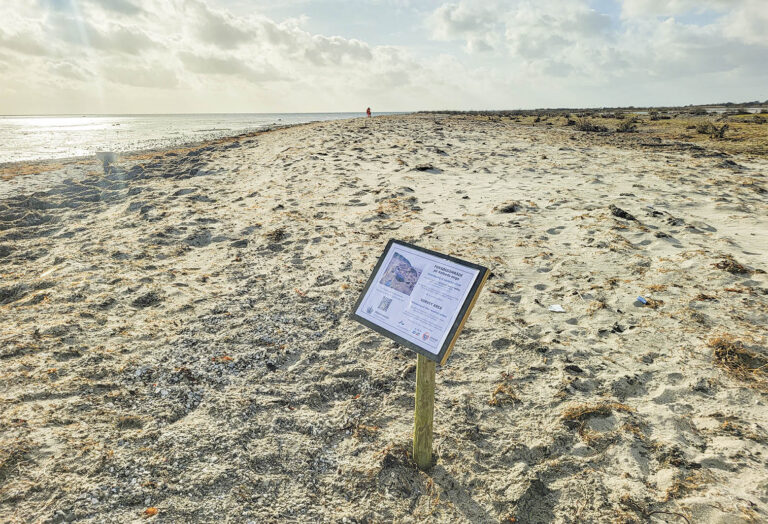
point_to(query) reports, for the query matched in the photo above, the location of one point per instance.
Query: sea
(43, 137)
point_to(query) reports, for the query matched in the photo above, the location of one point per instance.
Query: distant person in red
(368, 112)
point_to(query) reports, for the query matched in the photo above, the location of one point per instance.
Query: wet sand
(174, 329)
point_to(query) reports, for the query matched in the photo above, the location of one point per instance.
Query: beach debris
(437, 150)
(616, 328)
(618, 212)
(277, 235)
(129, 422)
(738, 361)
(147, 300)
(150, 512)
(581, 412)
(730, 265)
(652, 303)
(510, 207)
(199, 238)
(424, 167)
(13, 293)
(501, 343)
(107, 157)
(557, 308)
(503, 394)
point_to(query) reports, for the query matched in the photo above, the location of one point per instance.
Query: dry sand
(174, 333)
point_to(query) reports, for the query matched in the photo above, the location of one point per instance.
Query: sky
(198, 56)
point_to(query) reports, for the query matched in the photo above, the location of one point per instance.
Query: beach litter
(509, 207)
(652, 303)
(557, 308)
(106, 157)
(618, 212)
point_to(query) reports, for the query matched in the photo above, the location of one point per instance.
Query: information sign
(420, 298)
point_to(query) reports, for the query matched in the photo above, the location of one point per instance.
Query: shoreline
(63, 167)
(182, 145)
(138, 152)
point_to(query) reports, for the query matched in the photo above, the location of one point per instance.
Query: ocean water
(47, 137)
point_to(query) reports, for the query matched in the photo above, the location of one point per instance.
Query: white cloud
(195, 55)
(184, 45)
(639, 8)
(152, 76)
(230, 66)
(125, 7)
(219, 28)
(471, 21)
(570, 39)
(567, 35)
(748, 22)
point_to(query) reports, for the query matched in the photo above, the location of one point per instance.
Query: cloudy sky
(177, 56)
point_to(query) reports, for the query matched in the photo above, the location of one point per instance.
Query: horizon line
(204, 113)
(754, 103)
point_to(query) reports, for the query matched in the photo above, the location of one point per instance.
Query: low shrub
(627, 126)
(585, 124)
(708, 128)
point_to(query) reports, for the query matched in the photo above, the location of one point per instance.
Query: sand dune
(174, 330)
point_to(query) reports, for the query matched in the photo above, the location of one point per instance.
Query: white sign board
(420, 298)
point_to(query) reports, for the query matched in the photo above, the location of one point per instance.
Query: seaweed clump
(580, 412)
(739, 361)
(277, 235)
(730, 265)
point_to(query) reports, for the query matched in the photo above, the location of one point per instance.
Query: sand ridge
(174, 330)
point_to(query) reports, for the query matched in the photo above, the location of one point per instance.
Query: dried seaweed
(739, 361)
(581, 412)
(503, 394)
(730, 265)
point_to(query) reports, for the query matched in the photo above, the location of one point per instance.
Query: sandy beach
(175, 341)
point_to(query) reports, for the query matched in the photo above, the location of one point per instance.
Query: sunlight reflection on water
(46, 137)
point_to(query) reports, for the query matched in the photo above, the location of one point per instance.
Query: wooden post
(425, 406)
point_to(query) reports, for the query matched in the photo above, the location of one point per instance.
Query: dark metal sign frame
(466, 308)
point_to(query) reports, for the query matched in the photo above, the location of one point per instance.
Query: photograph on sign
(419, 297)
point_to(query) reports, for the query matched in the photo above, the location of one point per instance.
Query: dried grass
(739, 362)
(645, 512)
(129, 422)
(595, 306)
(503, 394)
(730, 265)
(597, 439)
(277, 235)
(692, 482)
(653, 303)
(11, 454)
(389, 207)
(580, 412)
